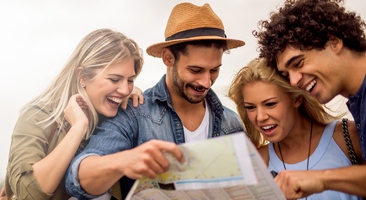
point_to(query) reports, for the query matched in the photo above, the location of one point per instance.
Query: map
(226, 167)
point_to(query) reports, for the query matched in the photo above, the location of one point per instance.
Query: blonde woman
(97, 78)
(291, 129)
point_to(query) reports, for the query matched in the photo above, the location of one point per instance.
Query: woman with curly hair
(321, 48)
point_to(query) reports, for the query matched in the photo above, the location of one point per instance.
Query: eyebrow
(265, 101)
(133, 76)
(288, 63)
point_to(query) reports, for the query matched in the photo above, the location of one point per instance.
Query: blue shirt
(357, 106)
(155, 119)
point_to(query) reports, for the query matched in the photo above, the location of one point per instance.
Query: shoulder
(353, 134)
(263, 151)
(230, 119)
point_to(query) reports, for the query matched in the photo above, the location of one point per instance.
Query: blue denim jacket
(357, 106)
(155, 119)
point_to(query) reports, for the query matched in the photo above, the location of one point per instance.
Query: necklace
(307, 161)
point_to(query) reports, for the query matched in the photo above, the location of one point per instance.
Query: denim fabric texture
(357, 106)
(155, 119)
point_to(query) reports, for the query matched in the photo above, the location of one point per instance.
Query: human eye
(285, 75)
(249, 108)
(114, 80)
(131, 80)
(298, 63)
(271, 104)
(195, 71)
(214, 70)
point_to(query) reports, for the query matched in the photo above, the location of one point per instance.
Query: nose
(125, 88)
(295, 77)
(205, 80)
(261, 114)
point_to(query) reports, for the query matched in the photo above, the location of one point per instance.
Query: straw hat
(188, 22)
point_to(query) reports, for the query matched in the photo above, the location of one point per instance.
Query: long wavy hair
(99, 49)
(257, 70)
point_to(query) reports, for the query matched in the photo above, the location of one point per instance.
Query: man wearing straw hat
(180, 108)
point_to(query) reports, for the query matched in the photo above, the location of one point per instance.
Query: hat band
(197, 32)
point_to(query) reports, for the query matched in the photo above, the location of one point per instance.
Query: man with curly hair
(321, 48)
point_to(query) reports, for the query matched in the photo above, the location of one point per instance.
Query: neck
(352, 81)
(308, 153)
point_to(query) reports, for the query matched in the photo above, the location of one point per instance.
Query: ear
(298, 101)
(79, 70)
(335, 44)
(168, 57)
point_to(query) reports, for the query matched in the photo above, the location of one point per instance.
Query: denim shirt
(155, 119)
(357, 106)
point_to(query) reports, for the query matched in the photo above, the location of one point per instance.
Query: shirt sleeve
(113, 135)
(29, 145)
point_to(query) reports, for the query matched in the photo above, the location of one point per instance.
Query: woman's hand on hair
(2, 193)
(75, 112)
(136, 96)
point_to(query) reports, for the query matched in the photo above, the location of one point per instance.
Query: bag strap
(351, 151)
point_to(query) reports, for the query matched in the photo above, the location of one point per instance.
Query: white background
(37, 37)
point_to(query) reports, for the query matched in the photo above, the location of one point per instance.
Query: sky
(37, 37)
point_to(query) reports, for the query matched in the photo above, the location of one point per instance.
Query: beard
(181, 86)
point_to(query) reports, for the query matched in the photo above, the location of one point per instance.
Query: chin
(110, 114)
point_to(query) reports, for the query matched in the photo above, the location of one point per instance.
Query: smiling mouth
(310, 87)
(199, 89)
(115, 100)
(268, 128)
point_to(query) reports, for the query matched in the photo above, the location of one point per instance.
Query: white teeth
(268, 127)
(114, 99)
(198, 89)
(311, 85)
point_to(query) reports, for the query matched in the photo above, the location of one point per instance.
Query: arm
(297, 184)
(146, 160)
(110, 155)
(50, 170)
(31, 170)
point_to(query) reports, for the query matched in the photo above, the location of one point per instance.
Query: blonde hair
(99, 49)
(257, 70)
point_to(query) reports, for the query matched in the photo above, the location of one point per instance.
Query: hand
(298, 184)
(136, 96)
(75, 112)
(2, 193)
(147, 160)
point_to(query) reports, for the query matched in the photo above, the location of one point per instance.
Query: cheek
(251, 117)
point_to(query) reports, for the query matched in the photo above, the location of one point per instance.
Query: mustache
(199, 87)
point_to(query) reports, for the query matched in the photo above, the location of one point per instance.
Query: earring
(83, 85)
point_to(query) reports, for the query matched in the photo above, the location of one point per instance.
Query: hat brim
(155, 49)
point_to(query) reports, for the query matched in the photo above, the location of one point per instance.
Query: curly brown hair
(308, 24)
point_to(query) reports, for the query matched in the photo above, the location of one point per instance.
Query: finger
(172, 148)
(135, 100)
(124, 104)
(141, 98)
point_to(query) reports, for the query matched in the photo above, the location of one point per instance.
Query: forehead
(259, 91)
(202, 56)
(284, 58)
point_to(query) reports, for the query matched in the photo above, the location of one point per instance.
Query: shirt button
(358, 125)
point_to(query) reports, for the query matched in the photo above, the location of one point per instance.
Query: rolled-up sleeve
(29, 145)
(113, 135)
